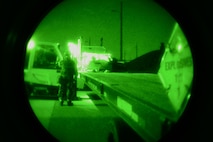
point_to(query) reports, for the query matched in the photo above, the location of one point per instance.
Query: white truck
(42, 68)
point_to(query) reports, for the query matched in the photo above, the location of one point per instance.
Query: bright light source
(31, 44)
(105, 57)
(179, 47)
(93, 60)
(74, 50)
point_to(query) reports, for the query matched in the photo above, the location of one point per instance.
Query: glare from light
(31, 44)
(87, 58)
(179, 47)
(74, 50)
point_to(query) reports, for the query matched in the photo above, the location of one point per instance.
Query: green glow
(74, 50)
(31, 44)
(96, 56)
(93, 60)
(188, 97)
(179, 47)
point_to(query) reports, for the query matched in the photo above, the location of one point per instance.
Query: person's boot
(61, 101)
(69, 103)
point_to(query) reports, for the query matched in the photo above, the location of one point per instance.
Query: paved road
(87, 120)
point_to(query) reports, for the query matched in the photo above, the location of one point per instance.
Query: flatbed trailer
(139, 99)
(150, 103)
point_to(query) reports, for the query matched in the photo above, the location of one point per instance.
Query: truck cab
(41, 71)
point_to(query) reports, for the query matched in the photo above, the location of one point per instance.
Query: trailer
(148, 103)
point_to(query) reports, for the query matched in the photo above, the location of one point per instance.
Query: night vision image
(108, 71)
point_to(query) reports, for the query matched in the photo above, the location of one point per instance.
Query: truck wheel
(120, 131)
(113, 134)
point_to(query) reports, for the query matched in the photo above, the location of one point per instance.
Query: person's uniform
(67, 88)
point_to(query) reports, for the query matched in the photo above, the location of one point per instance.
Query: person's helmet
(67, 54)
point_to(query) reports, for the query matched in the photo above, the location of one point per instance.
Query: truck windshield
(45, 57)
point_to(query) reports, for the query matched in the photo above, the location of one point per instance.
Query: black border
(195, 18)
(18, 20)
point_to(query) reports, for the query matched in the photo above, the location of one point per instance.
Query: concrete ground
(87, 120)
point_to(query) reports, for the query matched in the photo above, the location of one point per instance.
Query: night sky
(145, 25)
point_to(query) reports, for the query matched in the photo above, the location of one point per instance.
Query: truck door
(42, 71)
